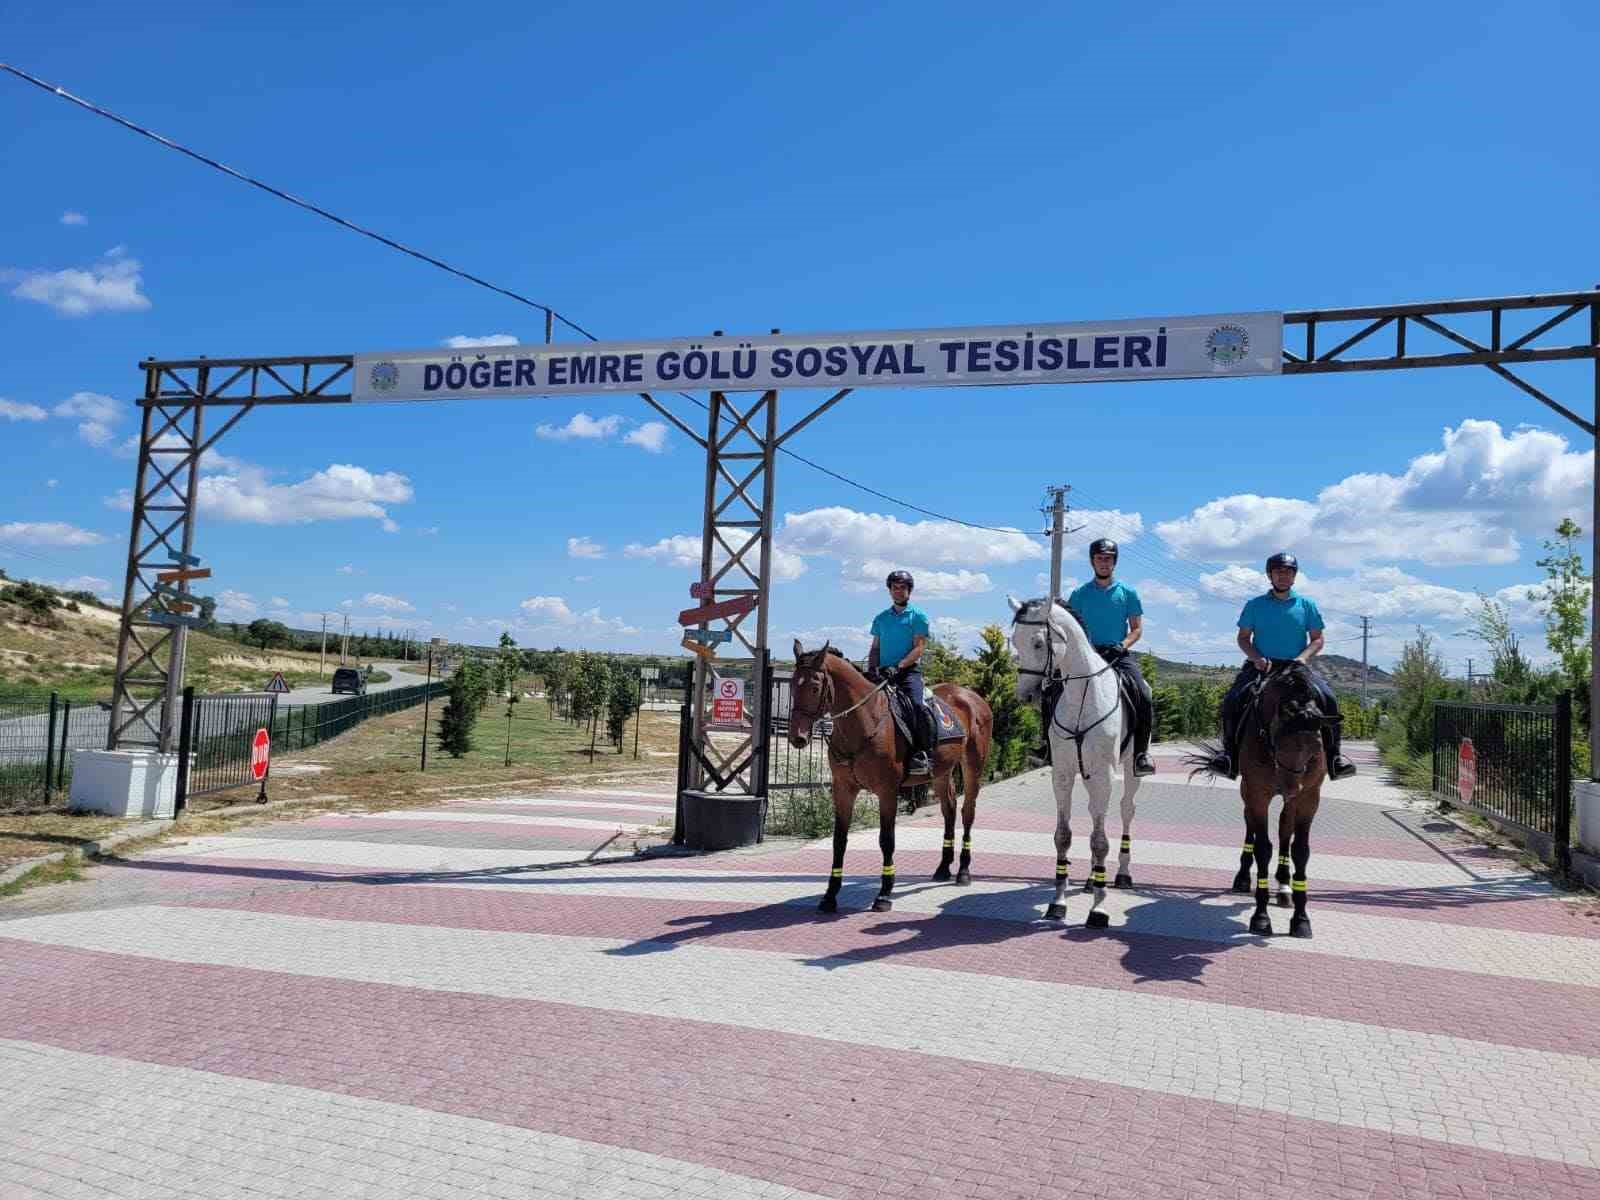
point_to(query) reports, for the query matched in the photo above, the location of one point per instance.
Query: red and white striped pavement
(428, 1003)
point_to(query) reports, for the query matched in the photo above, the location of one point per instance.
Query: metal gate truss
(1499, 333)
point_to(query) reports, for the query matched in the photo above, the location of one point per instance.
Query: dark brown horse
(865, 750)
(1280, 753)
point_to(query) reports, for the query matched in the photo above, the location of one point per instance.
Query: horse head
(810, 692)
(1292, 718)
(1037, 651)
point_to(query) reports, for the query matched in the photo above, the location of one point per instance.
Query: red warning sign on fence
(1466, 770)
(260, 754)
(727, 700)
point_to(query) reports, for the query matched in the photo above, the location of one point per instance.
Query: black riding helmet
(1103, 546)
(901, 577)
(1284, 559)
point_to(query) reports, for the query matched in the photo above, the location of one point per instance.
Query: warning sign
(1466, 771)
(276, 685)
(727, 700)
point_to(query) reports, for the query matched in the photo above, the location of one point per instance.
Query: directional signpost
(736, 607)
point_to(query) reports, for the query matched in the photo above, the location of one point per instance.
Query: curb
(92, 849)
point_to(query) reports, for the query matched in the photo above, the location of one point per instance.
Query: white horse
(1087, 738)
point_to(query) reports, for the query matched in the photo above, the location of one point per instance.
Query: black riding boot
(1339, 767)
(1227, 762)
(1143, 720)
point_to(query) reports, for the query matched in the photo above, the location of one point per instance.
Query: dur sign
(1204, 347)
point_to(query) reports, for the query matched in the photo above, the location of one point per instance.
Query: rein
(823, 721)
(1077, 734)
(1266, 731)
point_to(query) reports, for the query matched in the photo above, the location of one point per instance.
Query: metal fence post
(61, 759)
(185, 745)
(1437, 714)
(1563, 814)
(685, 732)
(50, 749)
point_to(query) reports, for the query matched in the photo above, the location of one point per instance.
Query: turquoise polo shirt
(894, 631)
(1281, 627)
(1105, 610)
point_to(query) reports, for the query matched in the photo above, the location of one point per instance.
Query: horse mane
(1029, 605)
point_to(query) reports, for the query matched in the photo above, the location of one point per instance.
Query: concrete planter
(1586, 815)
(124, 783)
(718, 821)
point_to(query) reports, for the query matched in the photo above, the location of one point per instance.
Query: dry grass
(28, 835)
(63, 870)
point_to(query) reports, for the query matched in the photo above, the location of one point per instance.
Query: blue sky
(665, 172)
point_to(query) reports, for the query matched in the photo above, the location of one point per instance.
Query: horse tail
(1202, 760)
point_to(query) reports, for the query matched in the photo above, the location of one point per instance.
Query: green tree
(1419, 681)
(1015, 723)
(591, 681)
(1565, 600)
(942, 664)
(268, 634)
(622, 701)
(507, 666)
(459, 716)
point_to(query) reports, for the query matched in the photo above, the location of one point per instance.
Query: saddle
(936, 717)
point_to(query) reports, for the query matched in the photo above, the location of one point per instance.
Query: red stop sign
(1466, 770)
(260, 754)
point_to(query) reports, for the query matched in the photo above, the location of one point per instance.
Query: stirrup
(1142, 765)
(1341, 767)
(921, 764)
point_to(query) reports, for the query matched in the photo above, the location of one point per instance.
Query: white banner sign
(1225, 345)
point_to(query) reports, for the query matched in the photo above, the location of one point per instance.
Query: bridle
(1050, 675)
(824, 719)
(1267, 734)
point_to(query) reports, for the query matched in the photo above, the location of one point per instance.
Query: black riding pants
(1248, 674)
(1144, 708)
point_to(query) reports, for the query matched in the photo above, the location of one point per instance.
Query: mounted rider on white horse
(1086, 733)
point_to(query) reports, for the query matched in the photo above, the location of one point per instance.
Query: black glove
(889, 674)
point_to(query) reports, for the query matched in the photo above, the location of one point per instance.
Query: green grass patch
(63, 870)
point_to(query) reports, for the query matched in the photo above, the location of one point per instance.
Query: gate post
(685, 736)
(1436, 723)
(185, 744)
(1563, 799)
(50, 749)
(61, 757)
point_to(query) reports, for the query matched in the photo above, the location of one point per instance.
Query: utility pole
(1365, 624)
(1058, 514)
(344, 646)
(1469, 679)
(322, 659)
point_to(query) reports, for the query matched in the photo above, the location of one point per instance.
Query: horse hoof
(1300, 927)
(1261, 924)
(882, 904)
(1242, 884)
(1056, 912)
(1097, 920)
(1283, 900)
(942, 875)
(829, 904)
(963, 878)
(1123, 880)
(1088, 885)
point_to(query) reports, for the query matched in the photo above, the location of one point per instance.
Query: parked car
(350, 680)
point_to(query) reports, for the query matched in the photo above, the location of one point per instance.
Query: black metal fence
(37, 736)
(218, 733)
(1523, 767)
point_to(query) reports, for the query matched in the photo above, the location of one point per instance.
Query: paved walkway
(423, 1004)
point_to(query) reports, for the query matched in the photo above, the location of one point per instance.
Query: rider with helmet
(899, 636)
(1278, 626)
(1114, 619)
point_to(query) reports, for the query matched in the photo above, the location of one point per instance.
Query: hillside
(1342, 672)
(75, 653)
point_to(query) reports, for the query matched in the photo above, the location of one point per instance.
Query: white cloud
(279, 602)
(122, 501)
(84, 583)
(111, 285)
(682, 550)
(430, 531)
(91, 406)
(48, 533)
(868, 576)
(387, 603)
(651, 436)
(846, 534)
(236, 606)
(50, 483)
(389, 526)
(583, 579)
(852, 639)
(73, 218)
(1463, 504)
(464, 342)
(1154, 590)
(584, 547)
(582, 425)
(339, 492)
(94, 433)
(552, 608)
(13, 411)
(348, 569)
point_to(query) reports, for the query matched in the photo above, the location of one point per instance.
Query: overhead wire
(354, 227)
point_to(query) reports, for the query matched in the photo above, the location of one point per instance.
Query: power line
(550, 311)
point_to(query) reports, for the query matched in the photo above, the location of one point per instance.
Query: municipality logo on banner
(1203, 347)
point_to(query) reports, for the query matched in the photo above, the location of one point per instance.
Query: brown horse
(1280, 753)
(865, 750)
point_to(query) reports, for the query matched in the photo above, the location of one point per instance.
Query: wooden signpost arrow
(736, 607)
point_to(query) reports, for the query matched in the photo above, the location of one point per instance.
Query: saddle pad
(947, 726)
